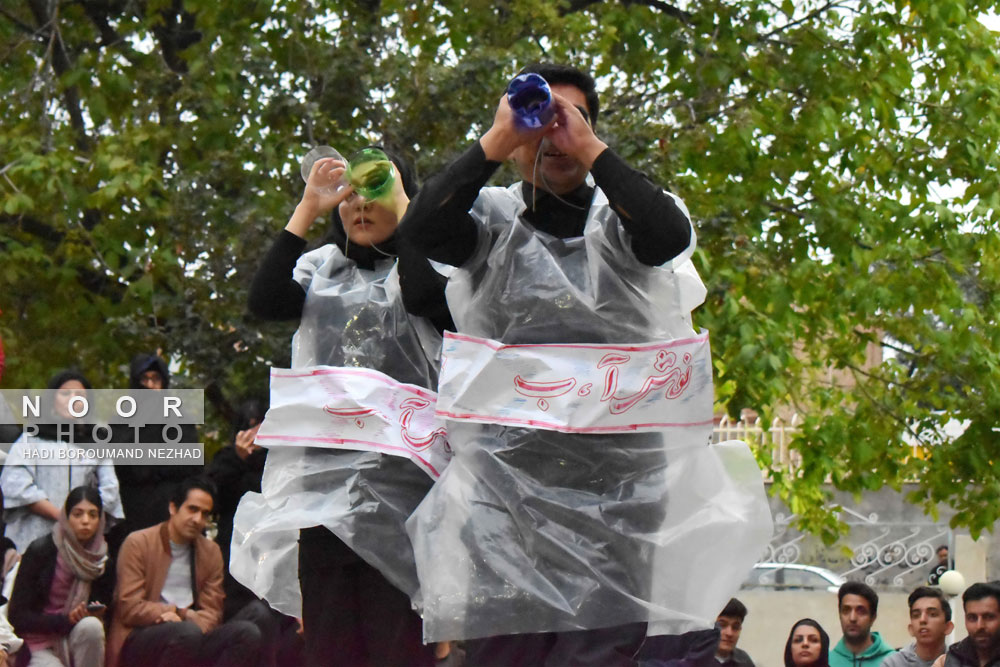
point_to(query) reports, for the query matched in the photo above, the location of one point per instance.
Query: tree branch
(93, 281)
(668, 9)
(791, 24)
(60, 65)
(18, 22)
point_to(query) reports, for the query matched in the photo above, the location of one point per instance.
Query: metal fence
(881, 550)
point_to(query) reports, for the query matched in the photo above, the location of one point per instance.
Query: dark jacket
(691, 649)
(233, 477)
(963, 654)
(146, 489)
(739, 658)
(31, 591)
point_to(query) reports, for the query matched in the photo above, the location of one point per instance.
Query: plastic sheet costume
(536, 529)
(352, 318)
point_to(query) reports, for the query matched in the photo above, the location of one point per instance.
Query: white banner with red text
(354, 408)
(579, 388)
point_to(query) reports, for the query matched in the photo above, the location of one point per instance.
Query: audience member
(981, 648)
(808, 645)
(146, 489)
(33, 488)
(930, 623)
(859, 647)
(10, 643)
(709, 648)
(236, 470)
(730, 625)
(64, 586)
(942, 565)
(168, 601)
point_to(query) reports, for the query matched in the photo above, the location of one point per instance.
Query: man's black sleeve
(274, 295)
(437, 221)
(660, 231)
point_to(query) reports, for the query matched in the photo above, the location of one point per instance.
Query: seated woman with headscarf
(64, 586)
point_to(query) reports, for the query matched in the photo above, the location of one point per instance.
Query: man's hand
(169, 616)
(505, 135)
(245, 442)
(573, 135)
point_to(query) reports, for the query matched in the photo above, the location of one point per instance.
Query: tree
(838, 156)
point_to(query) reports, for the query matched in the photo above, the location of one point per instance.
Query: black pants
(232, 644)
(352, 616)
(607, 647)
(280, 643)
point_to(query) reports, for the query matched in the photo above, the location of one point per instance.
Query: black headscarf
(824, 652)
(50, 431)
(366, 256)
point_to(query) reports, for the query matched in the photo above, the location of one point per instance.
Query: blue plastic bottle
(530, 99)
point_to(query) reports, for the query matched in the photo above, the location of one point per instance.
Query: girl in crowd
(64, 586)
(34, 488)
(351, 314)
(808, 645)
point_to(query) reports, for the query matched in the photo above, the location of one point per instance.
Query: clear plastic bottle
(318, 153)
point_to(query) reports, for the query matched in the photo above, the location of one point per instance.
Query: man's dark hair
(978, 591)
(928, 592)
(734, 609)
(181, 491)
(566, 74)
(858, 588)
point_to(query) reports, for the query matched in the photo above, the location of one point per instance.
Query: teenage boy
(930, 623)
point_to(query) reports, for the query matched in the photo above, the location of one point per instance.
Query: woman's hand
(324, 191)
(326, 187)
(78, 613)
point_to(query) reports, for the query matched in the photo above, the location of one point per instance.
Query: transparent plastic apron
(352, 318)
(532, 530)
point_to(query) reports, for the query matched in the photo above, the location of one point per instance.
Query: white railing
(775, 439)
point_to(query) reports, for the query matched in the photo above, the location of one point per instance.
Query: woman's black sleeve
(423, 288)
(274, 295)
(30, 594)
